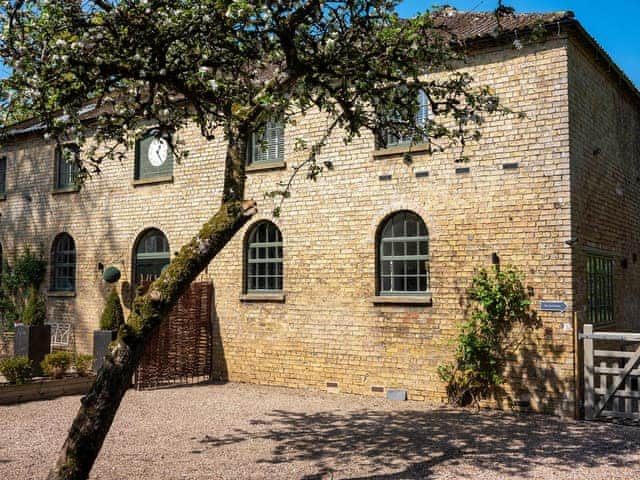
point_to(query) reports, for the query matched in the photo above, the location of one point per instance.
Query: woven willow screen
(181, 350)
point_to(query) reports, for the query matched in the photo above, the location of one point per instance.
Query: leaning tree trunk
(99, 406)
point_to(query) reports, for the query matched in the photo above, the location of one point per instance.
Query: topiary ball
(111, 275)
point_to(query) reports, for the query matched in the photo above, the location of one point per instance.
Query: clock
(158, 151)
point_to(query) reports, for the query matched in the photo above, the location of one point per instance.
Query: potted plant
(33, 337)
(111, 319)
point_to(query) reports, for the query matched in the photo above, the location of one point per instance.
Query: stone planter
(44, 389)
(101, 341)
(33, 342)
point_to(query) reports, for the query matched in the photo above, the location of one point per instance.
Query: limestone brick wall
(605, 165)
(328, 329)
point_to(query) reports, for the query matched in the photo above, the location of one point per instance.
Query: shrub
(112, 316)
(83, 364)
(35, 310)
(16, 280)
(17, 370)
(501, 303)
(56, 364)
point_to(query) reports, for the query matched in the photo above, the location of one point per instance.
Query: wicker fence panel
(181, 351)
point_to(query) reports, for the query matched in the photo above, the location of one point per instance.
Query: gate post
(589, 392)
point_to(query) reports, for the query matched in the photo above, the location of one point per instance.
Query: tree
(95, 71)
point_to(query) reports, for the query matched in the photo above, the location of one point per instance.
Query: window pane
(407, 272)
(264, 258)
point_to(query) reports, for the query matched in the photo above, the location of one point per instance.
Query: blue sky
(615, 24)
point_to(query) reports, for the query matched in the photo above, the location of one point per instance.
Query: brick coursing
(328, 329)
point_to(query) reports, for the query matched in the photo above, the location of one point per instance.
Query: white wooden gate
(611, 374)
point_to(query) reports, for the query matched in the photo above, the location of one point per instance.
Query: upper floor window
(267, 145)
(3, 176)
(63, 264)
(403, 255)
(264, 259)
(67, 160)
(600, 289)
(420, 119)
(154, 156)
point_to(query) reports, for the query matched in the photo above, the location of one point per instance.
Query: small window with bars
(63, 267)
(267, 145)
(420, 120)
(3, 177)
(403, 253)
(264, 259)
(67, 159)
(600, 289)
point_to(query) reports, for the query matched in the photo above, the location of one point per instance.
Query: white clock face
(158, 151)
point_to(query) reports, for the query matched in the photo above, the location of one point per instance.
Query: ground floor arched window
(151, 255)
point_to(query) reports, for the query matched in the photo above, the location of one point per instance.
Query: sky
(615, 24)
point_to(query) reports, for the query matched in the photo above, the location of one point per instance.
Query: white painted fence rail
(611, 374)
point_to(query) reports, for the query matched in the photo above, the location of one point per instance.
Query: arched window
(264, 259)
(403, 255)
(151, 254)
(63, 264)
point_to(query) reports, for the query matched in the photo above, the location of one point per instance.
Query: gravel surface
(237, 431)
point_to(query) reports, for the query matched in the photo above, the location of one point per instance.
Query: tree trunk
(99, 406)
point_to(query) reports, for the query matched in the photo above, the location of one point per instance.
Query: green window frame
(67, 158)
(600, 289)
(144, 169)
(264, 265)
(3, 177)
(420, 119)
(151, 255)
(63, 264)
(267, 145)
(403, 255)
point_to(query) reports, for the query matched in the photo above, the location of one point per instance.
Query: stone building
(307, 300)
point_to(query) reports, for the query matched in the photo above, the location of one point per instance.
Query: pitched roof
(465, 26)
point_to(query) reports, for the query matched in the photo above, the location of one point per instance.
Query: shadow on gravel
(412, 443)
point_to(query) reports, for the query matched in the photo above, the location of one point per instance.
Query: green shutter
(267, 145)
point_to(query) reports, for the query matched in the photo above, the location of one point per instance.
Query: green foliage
(56, 364)
(82, 363)
(501, 302)
(230, 67)
(17, 370)
(35, 309)
(17, 282)
(112, 315)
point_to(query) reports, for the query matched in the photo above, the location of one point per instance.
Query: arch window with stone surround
(63, 264)
(403, 256)
(264, 259)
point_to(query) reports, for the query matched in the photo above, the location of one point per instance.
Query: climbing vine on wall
(500, 304)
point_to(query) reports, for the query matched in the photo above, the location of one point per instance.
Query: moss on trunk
(100, 405)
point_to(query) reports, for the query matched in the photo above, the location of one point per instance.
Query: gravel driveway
(237, 431)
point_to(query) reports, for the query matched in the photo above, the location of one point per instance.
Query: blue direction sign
(553, 306)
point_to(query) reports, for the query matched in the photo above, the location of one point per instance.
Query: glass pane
(398, 249)
(386, 268)
(386, 284)
(412, 248)
(412, 284)
(398, 267)
(386, 249)
(412, 267)
(423, 248)
(398, 284)
(412, 228)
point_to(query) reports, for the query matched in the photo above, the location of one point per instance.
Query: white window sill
(261, 167)
(402, 299)
(263, 297)
(400, 150)
(153, 180)
(53, 293)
